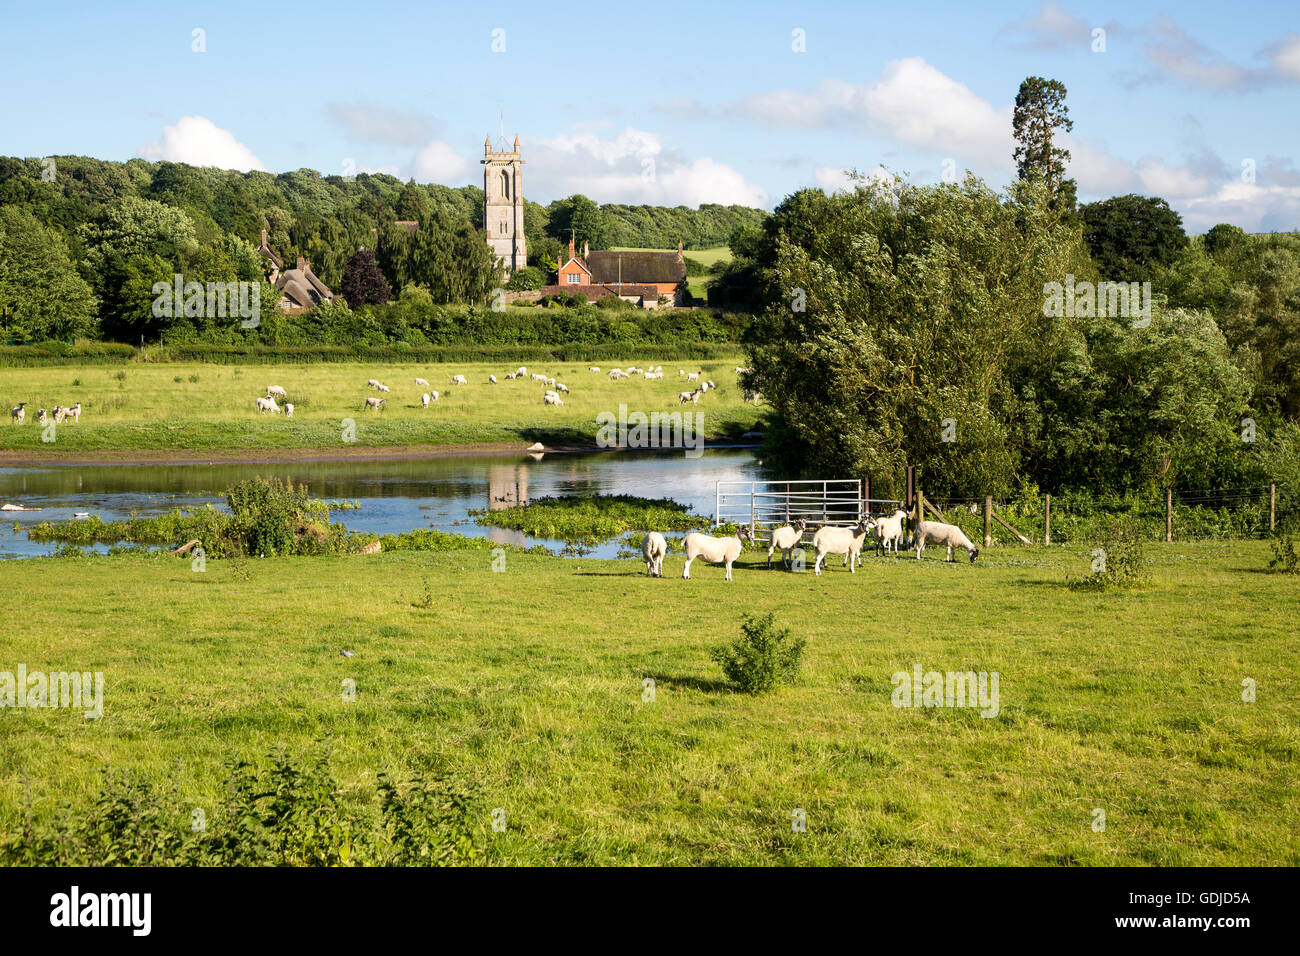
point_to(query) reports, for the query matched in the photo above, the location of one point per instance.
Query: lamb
(684, 397)
(264, 405)
(653, 549)
(593, 368)
(58, 413)
(714, 550)
(18, 413)
(40, 417)
(889, 531)
(433, 396)
(845, 541)
(549, 382)
(424, 400)
(786, 538)
(537, 377)
(945, 534)
(288, 410)
(509, 376)
(710, 384)
(75, 412)
(375, 403)
(382, 388)
(561, 387)
(422, 383)
(275, 391)
(372, 383)
(693, 376)
(492, 379)
(551, 398)
(459, 380)
(752, 397)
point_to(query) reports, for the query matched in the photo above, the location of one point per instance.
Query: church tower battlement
(503, 204)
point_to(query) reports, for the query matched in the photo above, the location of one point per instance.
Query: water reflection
(394, 495)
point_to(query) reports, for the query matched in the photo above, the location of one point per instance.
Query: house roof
(302, 287)
(639, 266)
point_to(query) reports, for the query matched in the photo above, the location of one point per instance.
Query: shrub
(270, 514)
(1120, 563)
(1285, 559)
(528, 279)
(762, 658)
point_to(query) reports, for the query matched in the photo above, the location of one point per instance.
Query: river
(395, 495)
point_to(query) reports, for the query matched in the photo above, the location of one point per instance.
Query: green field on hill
(528, 684)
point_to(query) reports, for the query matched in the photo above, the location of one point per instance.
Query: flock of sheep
(550, 396)
(18, 414)
(828, 540)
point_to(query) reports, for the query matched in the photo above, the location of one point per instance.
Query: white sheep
(288, 410)
(264, 405)
(59, 412)
(374, 403)
(845, 541)
(424, 400)
(937, 532)
(693, 377)
(509, 376)
(889, 531)
(459, 380)
(18, 413)
(561, 387)
(752, 397)
(372, 383)
(75, 412)
(593, 368)
(550, 398)
(711, 385)
(492, 379)
(714, 550)
(422, 383)
(786, 538)
(653, 549)
(521, 371)
(275, 391)
(549, 382)
(537, 377)
(433, 396)
(382, 388)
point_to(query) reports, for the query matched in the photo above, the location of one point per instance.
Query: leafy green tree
(413, 204)
(41, 294)
(1128, 235)
(1040, 112)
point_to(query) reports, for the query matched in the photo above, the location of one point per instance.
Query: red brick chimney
(570, 247)
(302, 264)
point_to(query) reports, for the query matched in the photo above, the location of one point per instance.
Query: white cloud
(198, 141)
(833, 179)
(1284, 57)
(1170, 182)
(1253, 207)
(1052, 28)
(633, 167)
(437, 162)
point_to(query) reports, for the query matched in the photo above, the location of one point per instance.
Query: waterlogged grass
(592, 518)
(528, 684)
(198, 406)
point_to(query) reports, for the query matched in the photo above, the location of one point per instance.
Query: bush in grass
(1121, 541)
(271, 514)
(1285, 559)
(762, 658)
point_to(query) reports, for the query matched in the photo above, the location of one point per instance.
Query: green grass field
(199, 407)
(528, 682)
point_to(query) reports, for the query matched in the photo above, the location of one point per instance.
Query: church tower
(503, 204)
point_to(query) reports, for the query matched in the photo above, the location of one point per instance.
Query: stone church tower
(503, 204)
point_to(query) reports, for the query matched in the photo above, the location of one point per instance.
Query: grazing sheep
(684, 397)
(561, 387)
(520, 372)
(375, 403)
(509, 376)
(653, 549)
(382, 388)
(424, 400)
(459, 380)
(786, 538)
(433, 395)
(372, 383)
(422, 383)
(845, 541)
(714, 550)
(889, 531)
(550, 398)
(549, 382)
(288, 410)
(492, 379)
(275, 391)
(752, 397)
(18, 413)
(711, 385)
(264, 405)
(537, 377)
(939, 533)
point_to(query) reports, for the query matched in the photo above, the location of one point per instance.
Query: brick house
(640, 276)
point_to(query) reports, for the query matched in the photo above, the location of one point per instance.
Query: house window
(572, 278)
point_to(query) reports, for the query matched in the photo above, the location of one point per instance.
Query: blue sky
(674, 102)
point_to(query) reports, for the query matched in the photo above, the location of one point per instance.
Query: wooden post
(1003, 521)
(917, 514)
(1169, 514)
(866, 494)
(911, 486)
(1047, 521)
(988, 521)
(1272, 507)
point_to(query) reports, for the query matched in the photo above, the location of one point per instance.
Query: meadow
(197, 407)
(527, 682)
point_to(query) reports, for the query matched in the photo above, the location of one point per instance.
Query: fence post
(1047, 521)
(1272, 507)
(866, 494)
(988, 521)
(751, 508)
(911, 486)
(1169, 514)
(918, 514)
